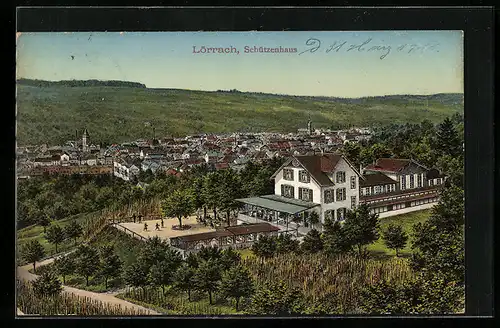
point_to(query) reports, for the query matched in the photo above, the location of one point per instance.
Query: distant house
(64, 159)
(212, 156)
(126, 169)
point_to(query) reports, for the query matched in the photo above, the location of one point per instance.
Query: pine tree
(447, 139)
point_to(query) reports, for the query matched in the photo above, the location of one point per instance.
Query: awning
(279, 203)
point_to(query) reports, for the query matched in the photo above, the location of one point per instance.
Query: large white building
(330, 185)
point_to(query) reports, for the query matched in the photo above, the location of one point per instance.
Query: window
(304, 176)
(341, 194)
(330, 214)
(368, 191)
(353, 182)
(341, 214)
(288, 174)
(340, 177)
(287, 191)
(403, 182)
(377, 190)
(361, 191)
(412, 181)
(419, 180)
(328, 195)
(431, 182)
(305, 194)
(353, 202)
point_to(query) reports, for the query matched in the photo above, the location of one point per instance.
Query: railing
(127, 230)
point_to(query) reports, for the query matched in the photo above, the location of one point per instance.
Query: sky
(366, 64)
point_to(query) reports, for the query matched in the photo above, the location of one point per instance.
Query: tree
(44, 221)
(447, 139)
(64, 266)
(55, 235)
(198, 199)
(110, 264)
(179, 204)
(352, 152)
(229, 258)
(428, 293)
(136, 275)
(207, 277)
(211, 193)
(47, 284)
(438, 243)
(361, 227)
(87, 262)
(312, 218)
(264, 247)
(334, 237)
(230, 189)
(192, 260)
(395, 237)
(285, 244)
(236, 283)
(312, 242)
(184, 279)
(161, 274)
(33, 252)
(73, 230)
(276, 299)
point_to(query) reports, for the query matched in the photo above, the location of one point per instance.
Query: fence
(128, 231)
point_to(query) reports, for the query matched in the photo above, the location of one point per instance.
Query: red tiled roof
(317, 166)
(220, 166)
(388, 165)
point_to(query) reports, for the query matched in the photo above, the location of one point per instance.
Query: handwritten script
(383, 50)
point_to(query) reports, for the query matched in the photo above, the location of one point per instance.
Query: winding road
(24, 274)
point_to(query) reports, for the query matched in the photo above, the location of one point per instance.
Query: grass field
(35, 232)
(118, 114)
(406, 221)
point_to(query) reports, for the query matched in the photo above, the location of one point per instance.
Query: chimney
(360, 169)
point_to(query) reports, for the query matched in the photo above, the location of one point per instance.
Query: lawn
(406, 221)
(246, 253)
(35, 232)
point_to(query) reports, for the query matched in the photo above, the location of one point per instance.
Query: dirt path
(24, 274)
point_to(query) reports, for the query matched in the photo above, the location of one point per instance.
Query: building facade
(330, 185)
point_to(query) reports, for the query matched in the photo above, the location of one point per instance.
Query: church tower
(309, 127)
(85, 137)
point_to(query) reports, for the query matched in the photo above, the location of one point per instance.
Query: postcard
(291, 173)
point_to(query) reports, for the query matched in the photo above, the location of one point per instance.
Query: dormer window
(304, 176)
(288, 174)
(340, 177)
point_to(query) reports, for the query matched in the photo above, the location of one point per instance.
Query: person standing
(157, 226)
(134, 217)
(162, 222)
(145, 226)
